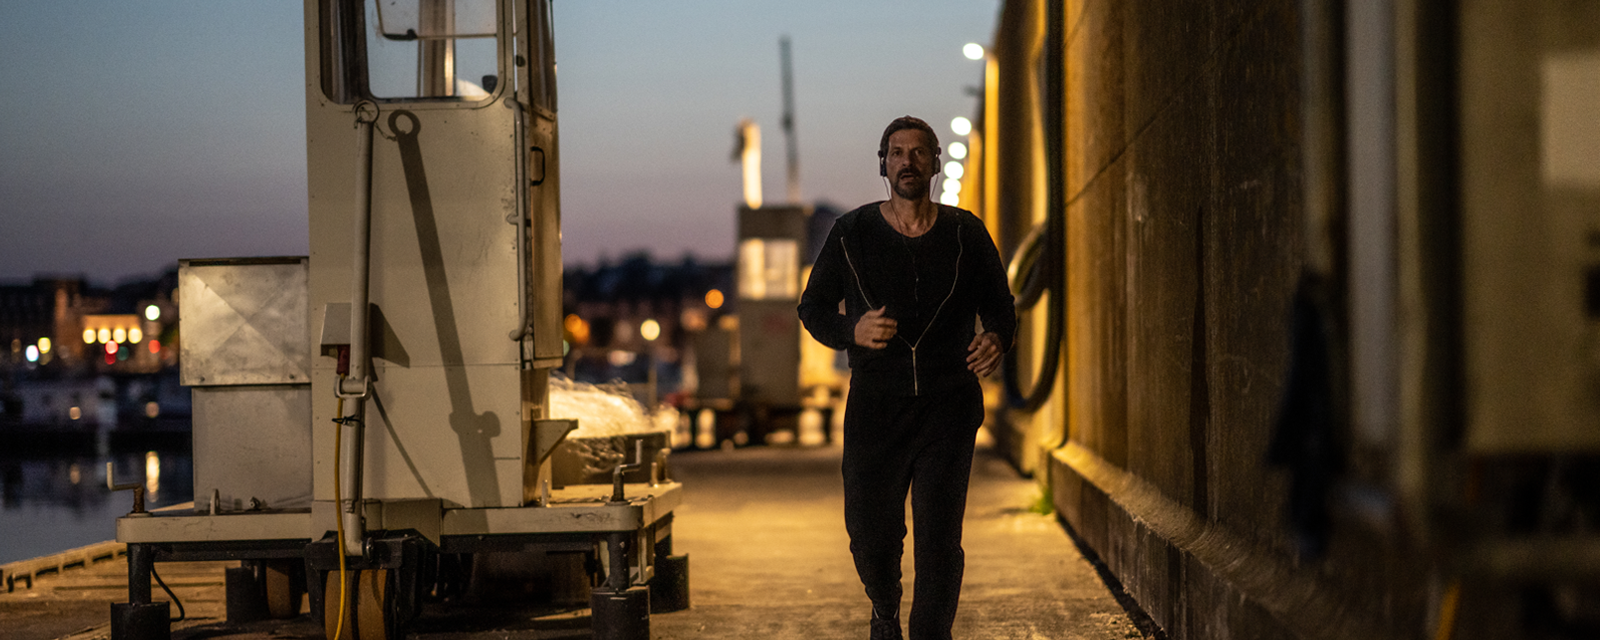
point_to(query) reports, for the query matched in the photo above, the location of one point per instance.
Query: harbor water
(53, 503)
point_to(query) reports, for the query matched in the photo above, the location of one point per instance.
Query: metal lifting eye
(366, 112)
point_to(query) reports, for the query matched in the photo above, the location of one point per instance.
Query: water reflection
(50, 504)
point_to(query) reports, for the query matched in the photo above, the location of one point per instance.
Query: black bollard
(134, 621)
(246, 595)
(669, 589)
(620, 615)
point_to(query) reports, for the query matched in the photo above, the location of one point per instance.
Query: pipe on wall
(357, 384)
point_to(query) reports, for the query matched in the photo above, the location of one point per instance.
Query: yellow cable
(338, 501)
(1447, 611)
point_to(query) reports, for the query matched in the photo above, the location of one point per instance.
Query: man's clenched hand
(873, 331)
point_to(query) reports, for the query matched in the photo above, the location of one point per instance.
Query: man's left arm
(996, 308)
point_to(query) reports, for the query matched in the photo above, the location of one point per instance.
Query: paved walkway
(769, 560)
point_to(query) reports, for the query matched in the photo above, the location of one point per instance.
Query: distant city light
(135, 335)
(74, 413)
(88, 336)
(151, 409)
(121, 335)
(32, 353)
(16, 345)
(104, 335)
(111, 348)
(958, 150)
(950, 198)
(750, 161)
(155, 346)
(650, 330)
(111, 358)
(973, 51)
(620, 358)
(577, 330)
(961, 126)
(152, 313)
(714, 299)
(953, 170)
(693, 319)
(152, 472)
(44, 345)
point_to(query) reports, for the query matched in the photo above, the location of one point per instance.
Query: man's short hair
(902, 123)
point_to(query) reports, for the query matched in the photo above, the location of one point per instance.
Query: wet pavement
(769, 559)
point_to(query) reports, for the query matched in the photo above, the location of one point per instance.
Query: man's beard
(913, 190)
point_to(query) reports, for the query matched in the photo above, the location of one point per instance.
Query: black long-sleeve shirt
(933, 286)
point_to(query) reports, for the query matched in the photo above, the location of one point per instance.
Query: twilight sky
(135, 133)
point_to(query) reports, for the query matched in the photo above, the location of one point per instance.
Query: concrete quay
(769, 560)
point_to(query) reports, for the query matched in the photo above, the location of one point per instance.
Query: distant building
(63, 324)
(618, 312)
(75, 354)
(45, 315)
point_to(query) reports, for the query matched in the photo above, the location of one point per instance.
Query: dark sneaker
(885, 628)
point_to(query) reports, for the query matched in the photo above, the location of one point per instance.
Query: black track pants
(924, 444)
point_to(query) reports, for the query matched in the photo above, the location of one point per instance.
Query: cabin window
(411, 49)
(769, 269)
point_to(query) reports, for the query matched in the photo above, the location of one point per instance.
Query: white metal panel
(445, 416)
(443, 257)
(575, 509)
(452, 433)
(253, 443)
(240, 526)
(243, 321)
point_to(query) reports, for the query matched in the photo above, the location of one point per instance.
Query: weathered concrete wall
(1185, 245)
(1208, 166)
(1183, 237)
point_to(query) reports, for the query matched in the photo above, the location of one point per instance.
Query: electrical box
(246, 361)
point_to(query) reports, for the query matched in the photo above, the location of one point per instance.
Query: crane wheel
(369, 613)
(283, 591)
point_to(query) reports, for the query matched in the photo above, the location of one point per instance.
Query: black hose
(170, 594)
(1051, 257)
(1050, 262)
(1022, 274)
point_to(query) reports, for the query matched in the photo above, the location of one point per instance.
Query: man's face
(909, 161)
